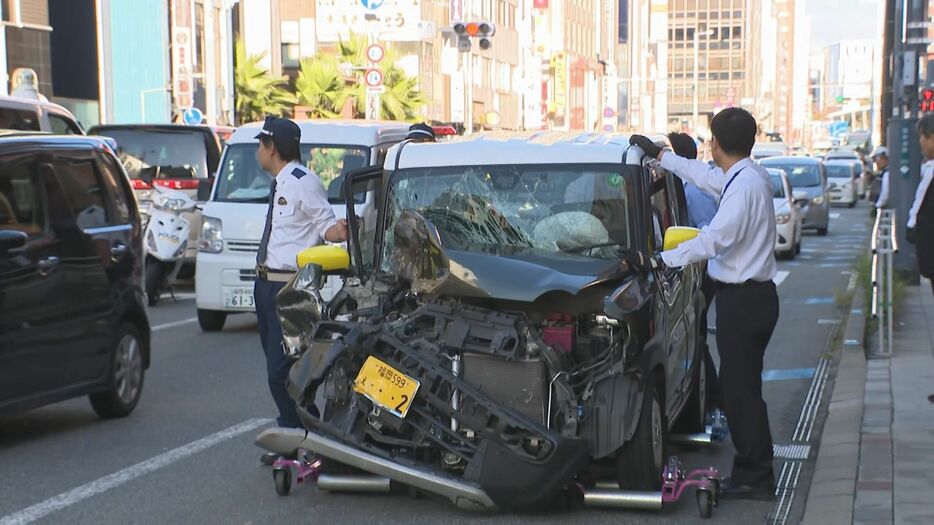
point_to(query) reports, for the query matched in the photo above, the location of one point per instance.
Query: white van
(235, 215)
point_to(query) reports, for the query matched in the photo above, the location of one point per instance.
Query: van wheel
(126, 376)
(640, 460)
(211, 320)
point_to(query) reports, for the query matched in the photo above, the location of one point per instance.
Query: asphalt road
(187, 455)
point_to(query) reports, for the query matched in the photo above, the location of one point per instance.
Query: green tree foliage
(258, 93)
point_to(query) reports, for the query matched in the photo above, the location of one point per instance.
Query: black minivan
(72, 320)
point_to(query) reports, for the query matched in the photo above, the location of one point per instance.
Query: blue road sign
(192, 116)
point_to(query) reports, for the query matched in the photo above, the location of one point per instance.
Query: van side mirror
(11, 240)
(204, 189)
(676, 235)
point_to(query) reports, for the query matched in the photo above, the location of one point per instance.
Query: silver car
(806, 174)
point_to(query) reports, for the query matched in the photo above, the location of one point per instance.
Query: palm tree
(321, 86)
(258, 93)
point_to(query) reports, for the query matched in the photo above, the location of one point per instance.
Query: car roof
(339, 132)
(788, 159)
(534, 147)
(840, 162)
(45, 140)
(28, 103)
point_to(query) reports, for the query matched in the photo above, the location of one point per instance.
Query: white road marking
(852, 284)
(780, 277)
(173, 324)
(834, 215)
(101, 485)
(828, 321)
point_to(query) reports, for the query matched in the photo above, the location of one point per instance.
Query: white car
(788, 216)
(235, 215)
(842, 182)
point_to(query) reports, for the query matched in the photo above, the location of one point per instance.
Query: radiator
(519, 385)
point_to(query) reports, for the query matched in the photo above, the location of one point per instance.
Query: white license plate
(238, 298)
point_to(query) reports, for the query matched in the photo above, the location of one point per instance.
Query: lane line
(173, 324)
(101, 485)
(780, 277)
(820, 300)
(779, 374)
(829, 321)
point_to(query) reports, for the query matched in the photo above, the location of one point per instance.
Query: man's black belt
(749, 283)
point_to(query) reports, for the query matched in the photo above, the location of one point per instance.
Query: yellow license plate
(386, 386)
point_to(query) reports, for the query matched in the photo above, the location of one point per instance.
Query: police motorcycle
(166, 236)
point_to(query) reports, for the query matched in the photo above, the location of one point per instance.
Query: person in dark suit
(921, 215)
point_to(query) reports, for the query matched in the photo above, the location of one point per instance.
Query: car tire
(153, 282)
(640, 460)
(211, 320)
(126, 376)
(822, 231)
(851, 205)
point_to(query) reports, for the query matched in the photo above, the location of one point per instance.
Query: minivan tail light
(140, 184)
(177, 184)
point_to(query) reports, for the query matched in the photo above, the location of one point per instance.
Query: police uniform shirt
(301, 214)
(883, 200)
(740, 240)
(927, 175)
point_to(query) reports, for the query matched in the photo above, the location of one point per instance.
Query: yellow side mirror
(675, 235)
(330, 258)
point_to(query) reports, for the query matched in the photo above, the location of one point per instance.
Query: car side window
(21, 203)
(84, 192)
(62, 126)
(113, 178)
(19, 119)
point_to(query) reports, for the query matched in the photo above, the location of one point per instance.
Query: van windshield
(241, 179)
(176, 154)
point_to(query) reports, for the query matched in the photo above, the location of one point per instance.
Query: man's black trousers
(746, 317)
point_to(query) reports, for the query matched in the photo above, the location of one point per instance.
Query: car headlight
(783, 218)
(151, 241)
(211, 239)
(817, 200)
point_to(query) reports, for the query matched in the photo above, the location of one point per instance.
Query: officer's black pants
(746, 318)
(277, 363)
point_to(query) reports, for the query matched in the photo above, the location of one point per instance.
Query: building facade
(25, 41)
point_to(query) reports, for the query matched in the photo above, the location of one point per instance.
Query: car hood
(812, 191)
(522, 275)
(781, 206)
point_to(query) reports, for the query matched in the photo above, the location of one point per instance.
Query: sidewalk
(876, 457)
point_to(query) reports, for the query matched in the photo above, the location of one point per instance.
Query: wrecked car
(488, 345)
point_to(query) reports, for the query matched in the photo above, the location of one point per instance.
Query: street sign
(372, 5)
(192, 116)
(373, 78)
(375, 53)
(909, 67)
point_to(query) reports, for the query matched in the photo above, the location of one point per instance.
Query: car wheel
(153, 282)
(640, 460)
(211, 320)
(852, 204)
(126, 376)
(822, 231)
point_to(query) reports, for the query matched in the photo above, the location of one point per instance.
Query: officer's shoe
(731, 490)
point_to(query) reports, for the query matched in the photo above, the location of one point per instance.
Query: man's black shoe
(730, 490)
(268, 458)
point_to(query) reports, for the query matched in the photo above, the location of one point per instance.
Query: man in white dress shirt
(739, 244)
(299, 215)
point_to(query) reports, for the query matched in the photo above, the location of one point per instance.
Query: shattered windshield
(500, 210)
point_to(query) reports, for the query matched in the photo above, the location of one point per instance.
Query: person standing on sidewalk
(739, 243)
(921, 215)
(881, 157)
(299, 215)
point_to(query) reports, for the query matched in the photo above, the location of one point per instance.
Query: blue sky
(833, 20)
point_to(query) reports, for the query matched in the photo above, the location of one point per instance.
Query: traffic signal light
(466, 31)
(927, 100)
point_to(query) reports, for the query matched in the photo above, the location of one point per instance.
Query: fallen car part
(353, 483)
(674, 484)
(288, 440)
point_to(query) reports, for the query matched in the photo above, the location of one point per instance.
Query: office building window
(623, 21)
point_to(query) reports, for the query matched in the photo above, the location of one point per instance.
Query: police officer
(921, 214)
(739, 243)
(298, 216)
(421, 132)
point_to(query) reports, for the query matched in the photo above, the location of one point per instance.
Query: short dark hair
(735, 130)
(288, 152)
(926, 125)
(683, 145)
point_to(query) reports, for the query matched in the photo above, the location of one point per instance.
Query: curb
(832, 491)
